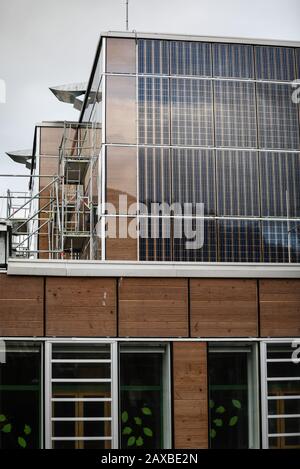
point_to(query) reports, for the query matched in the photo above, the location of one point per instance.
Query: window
(281, 399)
(233, 396)
(144, 397)
(80, 395)
(20, 395)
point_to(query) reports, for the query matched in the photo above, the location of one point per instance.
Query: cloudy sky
(51, 42)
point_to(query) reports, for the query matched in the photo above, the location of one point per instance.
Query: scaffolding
(59, 220)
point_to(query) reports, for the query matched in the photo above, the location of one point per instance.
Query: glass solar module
(153, 110)
(297, 52)
(153, 56)
(239, 241)
(233, 60)
(235, 114)
(191, 112)
(237, 183)
(280, 184)
(281, 241)
(190, 58)
(275, 63)
(193, 179)
(278, 120)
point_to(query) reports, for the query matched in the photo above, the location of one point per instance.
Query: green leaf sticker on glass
(131, 441)
(27, 429)
(124, 416)
(7, 428)
(236, 403)
(146, 411)
(2, 418)
(220, 410)
(22, 442)
(211, 404)
(233, 421)
(148, 431)
(139, 441)
(218, 422)
(138, 420)
(126, 431)
(213, 433)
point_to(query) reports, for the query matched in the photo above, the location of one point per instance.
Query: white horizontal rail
(81, 438)
(81, 399)
(80, 380)
(284, 416)
(81, 419)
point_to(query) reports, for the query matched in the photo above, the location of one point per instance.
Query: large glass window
(120, 109)
(281, 379)
(144, 397)
(233, 397)
(20, 395)
(80, 396)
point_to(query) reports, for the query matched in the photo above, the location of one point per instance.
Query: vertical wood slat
(190, 395)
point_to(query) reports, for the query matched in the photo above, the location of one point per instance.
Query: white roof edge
(187, 37)
(149, 269)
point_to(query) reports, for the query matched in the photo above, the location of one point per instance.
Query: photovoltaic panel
(297, 52)
(278, 121)
(153, 56)
(153, 110)
(154, 177)
(275, 63)
(233, 61)
(280, 184)
(206, 253)
(190, 58)
(239, 241)
(191, 112)
(155, 243)
(237, 183)
(235, 114)
(281, 241)
(193, 179)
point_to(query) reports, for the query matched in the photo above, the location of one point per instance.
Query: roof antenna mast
(127, 1)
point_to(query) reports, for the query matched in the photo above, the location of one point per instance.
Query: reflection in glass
(20, 395)
(120, 55)
(120, 109)
(230, 386)
(239, 241)
(142, 388)
(281, 241)
(121, 166)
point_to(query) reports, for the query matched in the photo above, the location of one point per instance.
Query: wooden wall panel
(21, 305)
(223, 308)
(190, 395)
(78, 306)
(153, 307)
(279, 308)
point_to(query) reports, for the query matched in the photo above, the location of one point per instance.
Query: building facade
(153, 300)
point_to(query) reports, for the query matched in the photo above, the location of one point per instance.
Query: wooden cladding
(279, 308)
(153, 307)
(148, 307)
(223, 308)
(21, 306)
(190, 395)
(81, 307)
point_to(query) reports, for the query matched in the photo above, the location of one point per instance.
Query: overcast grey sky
(51, 42)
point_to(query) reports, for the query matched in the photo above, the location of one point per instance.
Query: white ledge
(75, 268)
